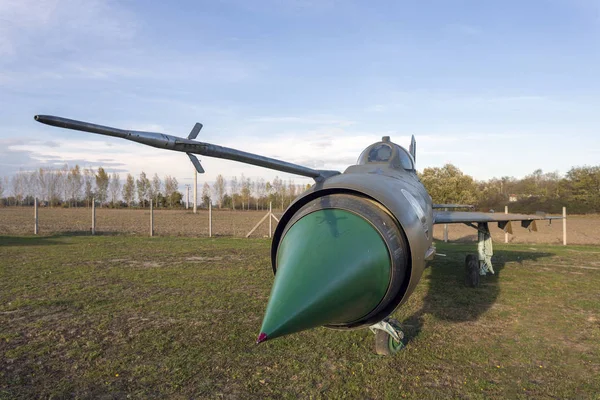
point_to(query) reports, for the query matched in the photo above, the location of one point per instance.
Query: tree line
(76, 187)
(245, 194)
(578, 190)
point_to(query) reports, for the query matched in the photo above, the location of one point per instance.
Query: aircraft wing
(437, 206)
(462, 217)
(503, 220)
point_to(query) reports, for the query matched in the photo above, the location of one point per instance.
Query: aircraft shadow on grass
(11, 241)
(448, 296)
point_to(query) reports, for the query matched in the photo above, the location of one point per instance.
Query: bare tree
(41, 185)
(114, 187)
(279, 189)
(206, 195)
(270, 192)
(53, 179)
(25, 187)
(88, 182)
(102, 181)
(2, 187)
(254, 190)
(156, 188)
(16, 184)
(235, 188)
(245, 183)
(261, 190)
(142, 185)
(64, 182)
(219, 187)
(75, 182)
(129, 190)
(171, 186)
(291, 191)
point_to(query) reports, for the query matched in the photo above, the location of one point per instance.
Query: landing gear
(472, 270)
(388, 337)
(481, 263)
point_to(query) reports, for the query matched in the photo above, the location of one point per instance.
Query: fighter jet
(351, 249)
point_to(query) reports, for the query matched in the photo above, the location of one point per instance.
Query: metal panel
(461, 217)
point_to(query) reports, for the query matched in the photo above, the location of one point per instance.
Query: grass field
(119, 316)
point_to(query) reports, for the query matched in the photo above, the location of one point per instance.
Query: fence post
(187, 196)
(209, 219)
(270, 220)
(505, 233)
(445, 230)
(35, 214)
(564, 226)
(151, 218)
(93, 216)
(195, 190)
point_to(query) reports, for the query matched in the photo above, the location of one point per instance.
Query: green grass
(177, 317)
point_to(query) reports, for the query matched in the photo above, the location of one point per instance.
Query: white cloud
(321, 148)
(480, 154)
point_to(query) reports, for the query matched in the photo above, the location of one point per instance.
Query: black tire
(386, 345)
(472, 269)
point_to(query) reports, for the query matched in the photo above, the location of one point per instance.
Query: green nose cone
(333, 267)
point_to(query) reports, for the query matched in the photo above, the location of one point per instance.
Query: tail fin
(413, 148)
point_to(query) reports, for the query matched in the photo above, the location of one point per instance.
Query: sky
(497, 88)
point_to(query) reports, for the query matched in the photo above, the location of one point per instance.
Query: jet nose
(333, 268)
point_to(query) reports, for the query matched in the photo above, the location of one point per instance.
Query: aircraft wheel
(472, 269)
(385, 344)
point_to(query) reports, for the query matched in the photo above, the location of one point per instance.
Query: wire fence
(157, 222)
(582, 229)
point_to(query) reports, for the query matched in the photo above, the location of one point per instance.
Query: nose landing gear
(388, 337)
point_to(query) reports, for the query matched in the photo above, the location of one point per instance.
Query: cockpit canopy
(386, 152)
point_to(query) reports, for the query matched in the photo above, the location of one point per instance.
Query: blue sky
(495, 87)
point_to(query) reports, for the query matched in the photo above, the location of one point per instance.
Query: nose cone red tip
(261, 338)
